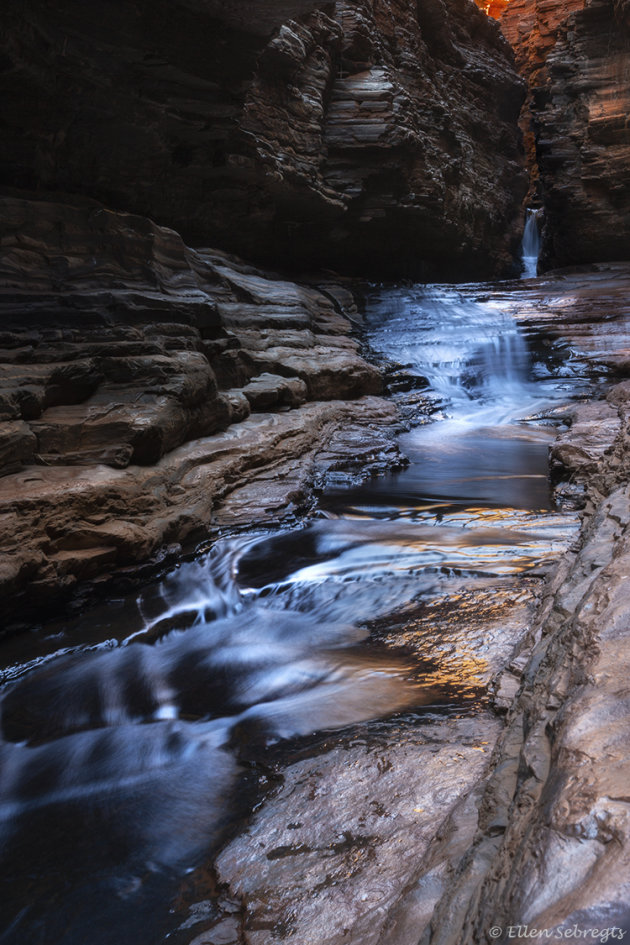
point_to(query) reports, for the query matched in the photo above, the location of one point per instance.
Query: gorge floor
(409, 595)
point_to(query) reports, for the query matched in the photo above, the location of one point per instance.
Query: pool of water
(133, 735)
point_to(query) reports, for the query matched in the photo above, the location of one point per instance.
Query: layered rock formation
(440, 833)
(575, 57)
(552, 848)
(123, 355)
(318, 140)
(356, 127)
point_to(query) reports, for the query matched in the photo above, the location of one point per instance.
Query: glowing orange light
(493, 8)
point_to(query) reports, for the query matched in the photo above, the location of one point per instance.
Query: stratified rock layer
(551, 851)
(129, 368)
(434, 837)
(575, 57)
(372, 136)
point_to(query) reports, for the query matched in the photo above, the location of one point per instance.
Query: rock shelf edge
(150, 393)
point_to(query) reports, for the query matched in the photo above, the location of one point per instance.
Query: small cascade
(531, 244)
(466, 346)
(135, 737)
(468, 350)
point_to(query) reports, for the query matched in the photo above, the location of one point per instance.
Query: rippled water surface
(134, 736)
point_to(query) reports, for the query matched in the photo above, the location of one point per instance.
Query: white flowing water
(463, 342)
(465, 346)
(531, 244)
(119, 766)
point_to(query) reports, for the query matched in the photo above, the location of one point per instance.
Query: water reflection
(462, 465)
(129, 735)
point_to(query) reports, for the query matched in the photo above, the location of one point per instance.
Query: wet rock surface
(535, 831)
(560, 858)
(328, 858)
(552, 841)
(141, 383)
(361, 840)
(582, 449)
(588, 313)
(389, 831)
(302, 142)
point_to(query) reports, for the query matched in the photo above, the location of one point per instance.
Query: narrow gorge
(314, 387)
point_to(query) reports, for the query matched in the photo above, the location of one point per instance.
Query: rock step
(142, 382)
(58, 524)
(130, 344)
(121, 433)
(270, 390)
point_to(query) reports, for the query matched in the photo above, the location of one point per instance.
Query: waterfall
(465, 345)
(531, 244)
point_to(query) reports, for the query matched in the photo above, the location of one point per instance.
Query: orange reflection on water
(456, 638)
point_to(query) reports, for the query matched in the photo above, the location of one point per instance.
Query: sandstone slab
(327, 858)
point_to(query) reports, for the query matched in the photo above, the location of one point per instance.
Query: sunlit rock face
(575, 58)
(493, 8)
(297, 133)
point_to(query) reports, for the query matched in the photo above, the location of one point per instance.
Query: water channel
(138, 735)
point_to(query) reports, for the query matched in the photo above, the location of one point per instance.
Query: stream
(139, 737)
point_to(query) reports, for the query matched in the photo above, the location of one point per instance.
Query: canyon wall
(149, 390)
(150, 393)
(575, 56)
(355, 136)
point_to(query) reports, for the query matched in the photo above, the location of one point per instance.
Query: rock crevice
(574, 56)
